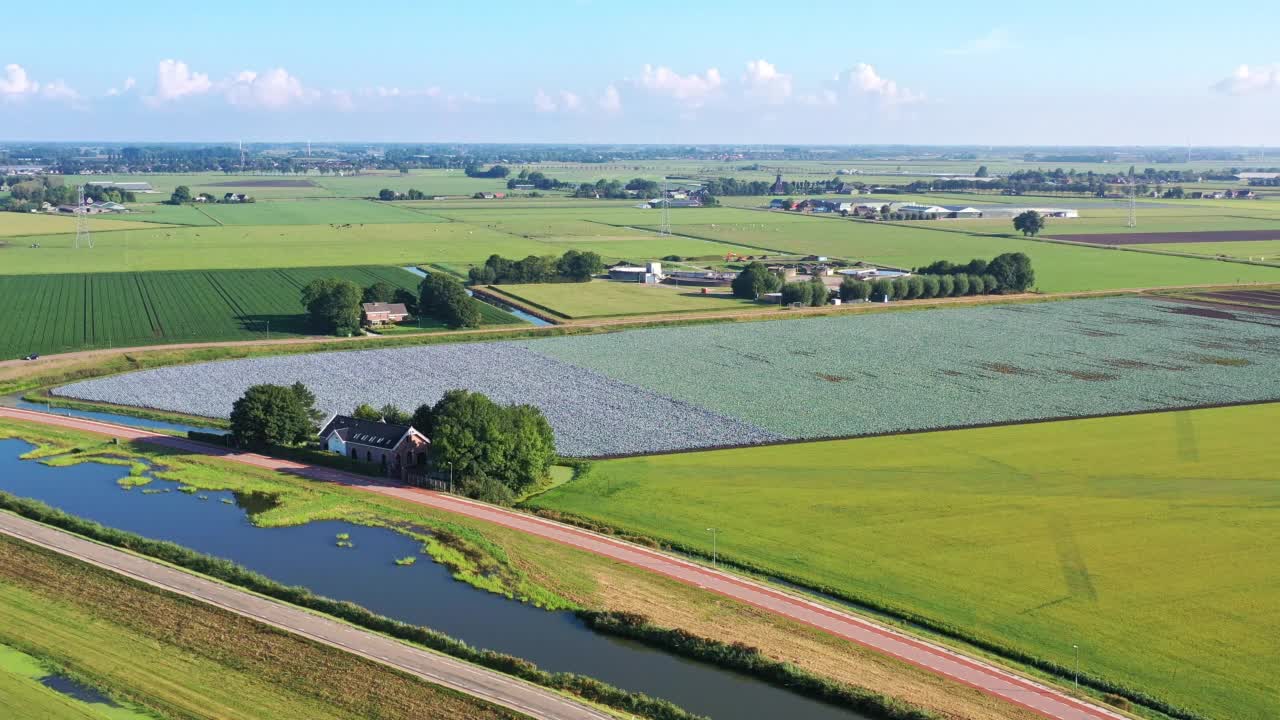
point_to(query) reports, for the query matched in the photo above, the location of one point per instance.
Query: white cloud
(58, 90)
(863, 79)
(174, 80)
(128, 84)
(611, 101)
(272, 90)
(14, 83)
(569, 101)
(994, 41)
(765, 82)
(693, 89)
(1247, 80)
(543, 103)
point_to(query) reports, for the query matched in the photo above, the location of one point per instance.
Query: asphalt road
(1042, 699)
(464, 677)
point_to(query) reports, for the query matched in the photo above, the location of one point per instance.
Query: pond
(425, 594)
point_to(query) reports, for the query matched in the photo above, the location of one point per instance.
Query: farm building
(377, 313)
(706, 278)
(235, 198)
(397, 448)
(650, 274)
(1011, 212)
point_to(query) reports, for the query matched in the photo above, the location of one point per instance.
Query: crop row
(60, 313)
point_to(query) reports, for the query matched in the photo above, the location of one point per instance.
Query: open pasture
(29, 224)
(1137, 538)
(1059, 268)
(313, 212)
(60, 313)
(229, 247)
(1175, 238)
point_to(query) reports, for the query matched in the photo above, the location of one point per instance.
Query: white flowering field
(663, 389)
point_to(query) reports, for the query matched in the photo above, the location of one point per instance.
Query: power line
(82, 220)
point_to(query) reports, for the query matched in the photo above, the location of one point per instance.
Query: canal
(218, 523)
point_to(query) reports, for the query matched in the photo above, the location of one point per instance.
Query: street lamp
(713, 532)
(1077, 676)
(451, 477)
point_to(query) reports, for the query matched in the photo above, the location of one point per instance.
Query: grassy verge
(182, 658)
(42, 396)
(23, 694)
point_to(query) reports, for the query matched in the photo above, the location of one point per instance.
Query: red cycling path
(1019, 690)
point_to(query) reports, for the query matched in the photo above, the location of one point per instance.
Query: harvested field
(660, 389)
(1171, 238)
(280, 183)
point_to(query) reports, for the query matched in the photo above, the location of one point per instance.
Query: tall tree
(333, 305)
(1029, 223)
(444, 299)
(181, 194)
(269, 415)
(1012, 272)
(754, 280)
(381, 291)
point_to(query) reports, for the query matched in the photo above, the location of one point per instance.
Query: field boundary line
(215, 220)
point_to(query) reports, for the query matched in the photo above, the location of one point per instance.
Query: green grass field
(601, 298)
(1059, 268)
(60, 313)
(184, 659)
(14, 224)
(1146, 540)
(197, 248)
(312, 212)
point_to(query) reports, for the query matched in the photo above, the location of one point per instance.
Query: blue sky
(742, 72)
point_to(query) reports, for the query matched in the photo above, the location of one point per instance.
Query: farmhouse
(397, 448)
(235, 198)
(378, 313)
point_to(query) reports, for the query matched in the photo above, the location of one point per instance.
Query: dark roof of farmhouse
(391, 308)
(365, 432)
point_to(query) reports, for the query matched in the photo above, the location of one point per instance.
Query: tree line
(495, 452)
(573, 266)
(27, 193)
(333, 305)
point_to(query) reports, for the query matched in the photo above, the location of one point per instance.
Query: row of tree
(1011, 272)
(537, 179)
(387, 195)
(333, 304)
(497, 171)
(917, 287)
(573, 266)
(27, 193)
(495, 452)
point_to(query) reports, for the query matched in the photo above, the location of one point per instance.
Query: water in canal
(423, 594)
(117, 418)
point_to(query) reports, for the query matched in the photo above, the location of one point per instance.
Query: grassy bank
(181, 658)
(553, 575)
(1119, 535)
